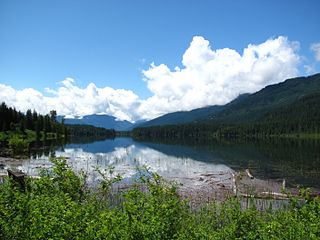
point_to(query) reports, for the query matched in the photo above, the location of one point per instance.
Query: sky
(142, 59)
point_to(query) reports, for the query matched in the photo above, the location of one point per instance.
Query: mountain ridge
(246, 107)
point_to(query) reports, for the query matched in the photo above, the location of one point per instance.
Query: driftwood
(283, 184)
(234, 184)
(276, 195)
(262, 195)
(266, 195)
(18, 177)
(249, 174)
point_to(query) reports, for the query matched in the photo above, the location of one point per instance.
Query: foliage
(18, 145)
(13, 120)
(59, 206)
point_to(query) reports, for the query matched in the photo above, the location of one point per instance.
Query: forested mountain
(103, 121)
(247, 107)
(290, 107)
(255, 106)
(183, 116)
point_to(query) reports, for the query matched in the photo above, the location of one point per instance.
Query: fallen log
(275, 195)
(266, 195)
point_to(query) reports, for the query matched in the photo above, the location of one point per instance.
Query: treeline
(182, 131)
(13, 120)
(302, 117)
(89, 131)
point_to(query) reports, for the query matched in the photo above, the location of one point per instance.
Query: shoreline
(205, 187)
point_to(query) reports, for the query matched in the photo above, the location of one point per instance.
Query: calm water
(296, 161)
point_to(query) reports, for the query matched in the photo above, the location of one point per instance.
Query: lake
(298, 162)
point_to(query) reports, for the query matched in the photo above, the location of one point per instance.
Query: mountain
(255, 106)
(247, 107)
(104, 121)
(183, 116)
(136, 124)
(305, 110)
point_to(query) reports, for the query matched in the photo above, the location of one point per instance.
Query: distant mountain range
(245, 108)
(248, 107)
(104, 121)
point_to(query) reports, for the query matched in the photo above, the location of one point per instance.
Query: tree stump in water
(18, 177)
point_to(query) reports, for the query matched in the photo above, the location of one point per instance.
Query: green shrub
(59, 206)
(18, 145)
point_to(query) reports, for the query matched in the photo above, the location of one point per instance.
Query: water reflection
(126, 158)
(296, 161)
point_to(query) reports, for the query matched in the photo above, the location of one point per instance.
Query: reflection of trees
(295, 160)
(46, 148)
(87, 139)
(298, 161)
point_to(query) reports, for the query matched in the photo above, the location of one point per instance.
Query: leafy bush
(60, 206)
(18, 145)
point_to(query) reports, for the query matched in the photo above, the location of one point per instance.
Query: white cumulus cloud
(71, 100)
(208, 76)
(315, 47)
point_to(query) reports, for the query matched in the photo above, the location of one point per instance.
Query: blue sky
(111, 43)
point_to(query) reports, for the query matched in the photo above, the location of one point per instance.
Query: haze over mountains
(104, 121)
(245, 108)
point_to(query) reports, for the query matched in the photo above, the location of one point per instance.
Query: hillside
(247, 107)
(183, 116)
(256, 105)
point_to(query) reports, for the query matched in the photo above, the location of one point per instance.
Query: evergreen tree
(22, 126)
(11, 119)
(34, 117)
(53, 115)
(38, 132)
(29, 122)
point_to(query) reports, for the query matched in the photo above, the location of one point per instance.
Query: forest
(300, 119)
(80, 130)
(18, 130)
(42, 125)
